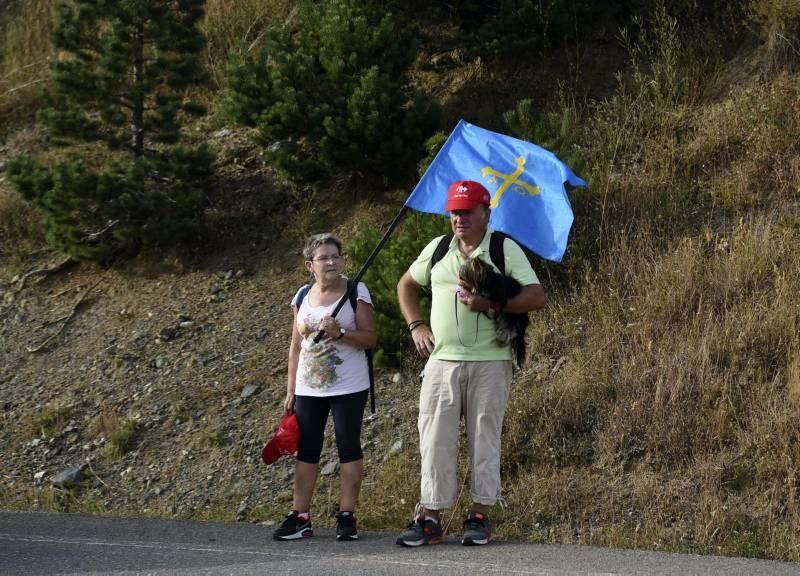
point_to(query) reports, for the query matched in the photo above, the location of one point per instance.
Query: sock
(346, 513)
(303, 515)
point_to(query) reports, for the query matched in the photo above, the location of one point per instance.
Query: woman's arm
(294, 358)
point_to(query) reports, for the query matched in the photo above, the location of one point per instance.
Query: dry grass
(47, 421)
(661, 407)
(24, 53)
(117, 432)
(20, 228)
(236, 26)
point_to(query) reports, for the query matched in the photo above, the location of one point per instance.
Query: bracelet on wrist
(414, 324)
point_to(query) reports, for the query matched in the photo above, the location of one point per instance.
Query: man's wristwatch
(341, 333)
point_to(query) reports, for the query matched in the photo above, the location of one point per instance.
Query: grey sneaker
(346, 526)
(421, 532)
(293, 528)
(477, 529)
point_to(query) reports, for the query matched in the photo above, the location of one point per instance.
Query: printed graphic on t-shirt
(321, 358)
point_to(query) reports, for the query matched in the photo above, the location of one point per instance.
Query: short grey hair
(317, 240)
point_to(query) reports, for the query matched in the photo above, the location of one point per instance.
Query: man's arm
(408, 298)
(531, 297)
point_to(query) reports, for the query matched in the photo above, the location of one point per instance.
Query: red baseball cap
(465, 195)
(284, 443)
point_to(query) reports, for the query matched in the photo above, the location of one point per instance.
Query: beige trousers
(478, 392)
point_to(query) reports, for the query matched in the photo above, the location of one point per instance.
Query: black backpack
(351, 290)
(496, 252)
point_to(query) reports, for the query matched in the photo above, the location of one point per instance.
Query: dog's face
(475, 275)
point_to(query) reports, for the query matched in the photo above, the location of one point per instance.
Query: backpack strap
(496, 252)
(441, 249)
(301, 295)
(353, 292)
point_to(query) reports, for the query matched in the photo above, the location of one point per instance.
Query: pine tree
(331, 93)
(120, 82)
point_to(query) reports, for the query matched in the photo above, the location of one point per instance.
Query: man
(468, 374)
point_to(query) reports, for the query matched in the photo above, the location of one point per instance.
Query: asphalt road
(47, 544)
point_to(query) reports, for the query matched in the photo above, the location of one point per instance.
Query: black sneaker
(477, 529)
(346, 526)
(421, 532)
(293, 528)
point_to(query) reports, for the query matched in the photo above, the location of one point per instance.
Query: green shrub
(330, 93)
(120, 85)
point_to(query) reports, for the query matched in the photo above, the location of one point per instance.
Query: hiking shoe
(293, 528)
(346, 526)
(420, 532)
(477, 529)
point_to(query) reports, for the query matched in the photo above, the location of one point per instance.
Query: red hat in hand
(284, 443)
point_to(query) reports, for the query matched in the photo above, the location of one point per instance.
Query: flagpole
(366, 265)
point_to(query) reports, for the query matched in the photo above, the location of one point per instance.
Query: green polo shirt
(461, 334)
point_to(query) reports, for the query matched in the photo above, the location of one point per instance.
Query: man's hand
(474, 302)
(423, 340)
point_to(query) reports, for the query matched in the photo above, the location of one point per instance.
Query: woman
(327, 376)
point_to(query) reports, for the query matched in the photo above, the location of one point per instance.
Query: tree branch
(66, 319)
(46, 271)
(20, 87)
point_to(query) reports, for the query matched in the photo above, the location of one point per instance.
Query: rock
(39, 475)
(69, 477)
(241, 512)
(280, 146)
(186, 324)
(228, 275)
(72, 426)
(262, 333)
(224, 133)
(397, 378)
(159, 362)
(168, 333)
(330, 468)
(248, 391)
(396, 448)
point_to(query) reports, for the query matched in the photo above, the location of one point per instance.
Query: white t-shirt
(329, 367)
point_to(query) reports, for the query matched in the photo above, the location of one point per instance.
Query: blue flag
(529, 202)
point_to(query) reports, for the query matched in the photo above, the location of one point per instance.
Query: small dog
(478, 277)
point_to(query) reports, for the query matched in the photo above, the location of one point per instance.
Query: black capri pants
(312, 415)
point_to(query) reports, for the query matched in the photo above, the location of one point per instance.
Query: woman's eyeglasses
(331, 258)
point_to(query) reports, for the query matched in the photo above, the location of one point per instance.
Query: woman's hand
(288, 403)
(331, 327)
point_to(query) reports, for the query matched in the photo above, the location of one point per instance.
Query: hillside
(660, 402)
